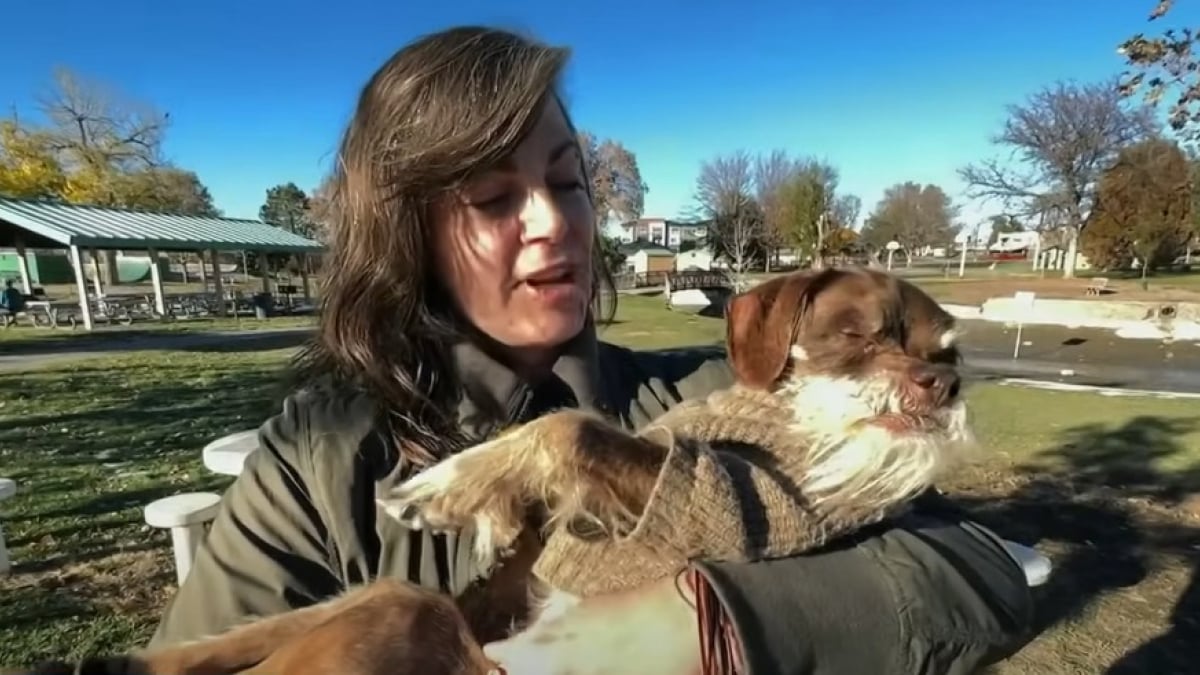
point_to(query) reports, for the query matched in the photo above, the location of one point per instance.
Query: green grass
(98, 439)
(90, 445)
(15, 336)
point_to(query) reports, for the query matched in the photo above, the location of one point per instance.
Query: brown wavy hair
(443, 108)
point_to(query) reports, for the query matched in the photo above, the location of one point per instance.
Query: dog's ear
(762, 324)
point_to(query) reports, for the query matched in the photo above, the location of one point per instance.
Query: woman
(459, 297)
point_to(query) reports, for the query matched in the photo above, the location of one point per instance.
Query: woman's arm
(266, 550)
(936, 594)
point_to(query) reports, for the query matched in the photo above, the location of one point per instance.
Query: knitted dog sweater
(728, 490)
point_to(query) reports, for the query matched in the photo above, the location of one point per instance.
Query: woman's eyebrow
(509, 165)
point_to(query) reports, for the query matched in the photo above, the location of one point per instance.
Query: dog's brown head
(869, 362)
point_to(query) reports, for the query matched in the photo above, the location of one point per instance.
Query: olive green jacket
(930, 594)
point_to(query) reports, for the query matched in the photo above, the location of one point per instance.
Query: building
(671, 234)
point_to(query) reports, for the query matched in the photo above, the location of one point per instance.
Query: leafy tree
(1143, 208)
(287, 207)
(28, 169)
(1003, 224)
(617, 186)
(1163, 63)
(807, 204)
(914, 215)
(839, 241)
(610, 250)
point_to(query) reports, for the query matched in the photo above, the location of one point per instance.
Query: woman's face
(514, 246)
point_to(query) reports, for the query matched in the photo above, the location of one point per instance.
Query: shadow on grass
(1085, 493)
(121, 341)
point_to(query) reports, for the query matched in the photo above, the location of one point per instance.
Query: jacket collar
(495, 396)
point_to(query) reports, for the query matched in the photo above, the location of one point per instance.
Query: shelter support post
(304, 277)
(160, 300)
(265, 271)
(97, 283)
(23, 268)
(81, 287)
(218, 283)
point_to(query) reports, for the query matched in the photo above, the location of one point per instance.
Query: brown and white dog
(861, 358)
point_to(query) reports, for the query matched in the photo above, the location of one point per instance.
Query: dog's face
(862, 356)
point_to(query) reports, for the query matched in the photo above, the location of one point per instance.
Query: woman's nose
(541, 218)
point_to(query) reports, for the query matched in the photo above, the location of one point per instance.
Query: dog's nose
(942, 382)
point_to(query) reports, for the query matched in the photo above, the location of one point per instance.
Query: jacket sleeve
(932, 594)
(266, 550)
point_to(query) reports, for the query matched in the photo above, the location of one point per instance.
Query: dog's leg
(578, 465)
(248, 644)
(396, 629)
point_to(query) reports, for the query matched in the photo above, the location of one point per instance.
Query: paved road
(1054, 353)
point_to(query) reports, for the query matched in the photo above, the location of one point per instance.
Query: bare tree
(725, 195)
(772, 173)
(94, 128)
(1063, 137)
(617, 186)
(845, 211)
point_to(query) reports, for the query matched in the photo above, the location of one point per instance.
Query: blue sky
(887, 91)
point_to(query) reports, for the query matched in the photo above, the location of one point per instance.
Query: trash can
(263, 304)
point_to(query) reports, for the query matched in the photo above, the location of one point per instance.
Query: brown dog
(855, 374)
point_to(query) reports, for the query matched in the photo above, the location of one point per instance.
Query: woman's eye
(492, 203)
(568, 185)
(851, 333)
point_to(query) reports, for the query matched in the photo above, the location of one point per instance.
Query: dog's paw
(433, 499)
(464, 492)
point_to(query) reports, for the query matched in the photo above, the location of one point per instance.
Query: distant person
(13, 299)
(464, 290)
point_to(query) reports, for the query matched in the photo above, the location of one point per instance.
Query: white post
(218, 284)
(96, 282)
(23, 269)
(1037, 252)
(1023, 303)
(81, 287)
(160, 300)
(185, 541)
(304, 277)
(264, 270)
(962, 262)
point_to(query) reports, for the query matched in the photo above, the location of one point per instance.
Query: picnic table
(228, 454)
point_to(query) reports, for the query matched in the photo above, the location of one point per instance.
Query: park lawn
(1093, 480)
(26, 337)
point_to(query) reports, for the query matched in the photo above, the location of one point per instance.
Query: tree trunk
(1072, 253)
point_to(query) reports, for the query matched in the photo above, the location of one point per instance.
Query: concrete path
(1054, 354)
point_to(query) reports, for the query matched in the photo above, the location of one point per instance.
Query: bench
(8, 488)
(1097, 286)
(186, 516)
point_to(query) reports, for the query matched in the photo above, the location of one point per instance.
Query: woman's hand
(649, 630)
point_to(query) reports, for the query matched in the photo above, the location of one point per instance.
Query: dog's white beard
(870, 465)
